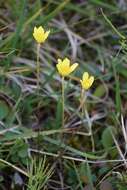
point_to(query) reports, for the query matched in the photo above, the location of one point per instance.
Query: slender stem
(78, 159)
(38, 80)
(38, 65)
(92, 141)
(62, 102)
(83, 107)
(82, 101)
(62, 135)
(15, 167)
(62, 127)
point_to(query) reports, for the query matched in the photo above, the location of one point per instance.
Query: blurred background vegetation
(92, 33)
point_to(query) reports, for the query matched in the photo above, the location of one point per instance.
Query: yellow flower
(40, 35)
(64, 67)
(86, 81)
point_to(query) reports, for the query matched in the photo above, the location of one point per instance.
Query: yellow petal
(85, 85)
(40, 30)
(46, 34)
(85, 76)
(38, 37)
(64, 67)
(64, 71)
(35, 29)
(39, 34)
(73, 67)
(59, 68)
(91, 80)
(81, 83)
(59, 61)
(66, 62)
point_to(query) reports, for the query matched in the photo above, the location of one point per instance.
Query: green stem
(92, 142)
(62, 102)
(38, 65)
(83, 107)
(82, 101)
(38, 80)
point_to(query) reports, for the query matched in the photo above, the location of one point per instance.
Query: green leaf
(107, 139)
(100, 91)
(23, 152)
(16, 90)
(4, 109)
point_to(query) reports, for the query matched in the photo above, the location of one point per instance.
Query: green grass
(93, 34)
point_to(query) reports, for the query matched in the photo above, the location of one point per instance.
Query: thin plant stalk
(14, 167)
(62, 102)
(83, 107)
(82, 101)
(62, 135)
(38, 65)
(38, 81)
(62, 96)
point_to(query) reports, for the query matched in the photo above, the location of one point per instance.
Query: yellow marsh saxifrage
(87, 81)
(64, 67)
(40, 35)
